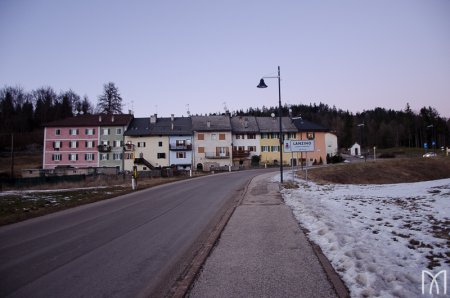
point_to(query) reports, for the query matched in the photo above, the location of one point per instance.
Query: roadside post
(134, 178)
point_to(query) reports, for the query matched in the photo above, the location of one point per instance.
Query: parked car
(430, 154)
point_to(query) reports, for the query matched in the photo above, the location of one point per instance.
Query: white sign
(299, 146)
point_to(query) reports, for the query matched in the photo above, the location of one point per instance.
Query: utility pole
(12, 155)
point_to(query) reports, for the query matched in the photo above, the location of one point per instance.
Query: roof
(162, 126)
(269, 124)
(244, 124)
(92, 120)
(305, 125)
(211, 123)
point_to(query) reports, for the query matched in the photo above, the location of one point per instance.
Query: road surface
(135, 245)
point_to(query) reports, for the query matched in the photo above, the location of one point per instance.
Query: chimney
(246, 124)
(172, 117)
(100, 118)
(112, 118)
(153, 118)
(208, 124)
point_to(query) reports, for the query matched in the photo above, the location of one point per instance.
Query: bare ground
(398, 170)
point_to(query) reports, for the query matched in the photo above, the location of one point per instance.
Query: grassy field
(383, 171)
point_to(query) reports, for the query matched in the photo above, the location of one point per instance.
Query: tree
(110, 102)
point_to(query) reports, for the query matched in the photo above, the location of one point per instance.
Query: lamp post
(433, 141)
(262, 84)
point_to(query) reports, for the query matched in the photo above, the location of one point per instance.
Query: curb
(183, 285)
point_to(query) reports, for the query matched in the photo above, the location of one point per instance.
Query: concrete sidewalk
(262, 252)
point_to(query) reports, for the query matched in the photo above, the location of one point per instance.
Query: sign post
(299, 146)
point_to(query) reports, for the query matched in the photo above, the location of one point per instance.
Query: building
(78, 141)
(269, 128)
(111, 144)
(158, 142)
(331, 144)
(245, 140)
(355, 150)
(311, 131)
(212, 142)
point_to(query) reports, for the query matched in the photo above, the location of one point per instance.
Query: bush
(386, 155)
(335, 159)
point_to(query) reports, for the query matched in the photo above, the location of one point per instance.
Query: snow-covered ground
(379, 238)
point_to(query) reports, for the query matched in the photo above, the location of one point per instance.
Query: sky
(168, 57)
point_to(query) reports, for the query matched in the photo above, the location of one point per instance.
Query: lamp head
(262, 84)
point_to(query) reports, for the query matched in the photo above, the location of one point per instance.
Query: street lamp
(361, 126)
(262, 84)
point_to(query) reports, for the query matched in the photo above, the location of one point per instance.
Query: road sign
(425, 145)
(299, 146)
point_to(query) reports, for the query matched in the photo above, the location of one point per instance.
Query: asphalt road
(136, 245)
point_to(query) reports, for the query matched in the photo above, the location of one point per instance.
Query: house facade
(74, 142)
(245, 140)
(158, 142)
(269, 128)
(212, 142)
(311, 131)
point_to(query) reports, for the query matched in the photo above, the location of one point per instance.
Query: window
(89, 131)
(73, 157)
(118, 131)
(89, 144)
(222, 151)
(221, 136)
(252, 148)
(73, 132)
(161, 155)
(275, 148)
(105, 143)
(117, 156)
(238, 137)
(57, 145)
(118, 144)
(201, 136)
(89, 156)
(264, 136)
(141, 144)
(181, 154)
(105, 131)
(57, 132)
(180, 143)
(57, 157)
(73, 144)
(201, 149)
(213, 137)
(104, 156)
(291, 135)
(264, 148)
(310, 135)
(251, 136)
(129, 156)
(275, 135)
(160, 144)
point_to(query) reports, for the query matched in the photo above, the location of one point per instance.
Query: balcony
(241, 154)
(217, 155)
(104, 148)
(180, 147)
(128, 147)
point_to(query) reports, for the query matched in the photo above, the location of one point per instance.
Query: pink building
(75, 141)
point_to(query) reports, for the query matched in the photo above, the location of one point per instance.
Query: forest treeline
(380, 127)
(23, 113)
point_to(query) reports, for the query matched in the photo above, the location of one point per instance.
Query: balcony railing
(104, 148)
(180, 147)
(215, 155)
(128, 147)
(241, 154)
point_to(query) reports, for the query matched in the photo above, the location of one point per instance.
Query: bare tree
(110, 102)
